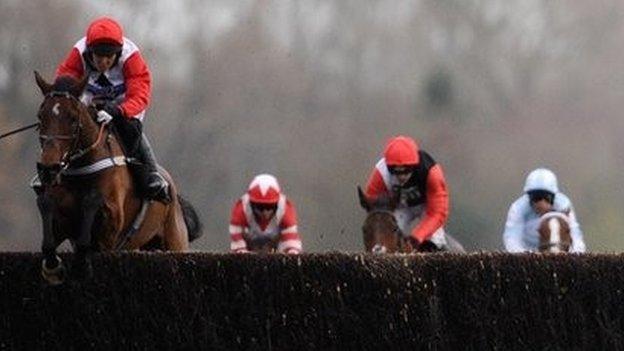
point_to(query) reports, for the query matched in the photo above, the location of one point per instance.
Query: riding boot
(153, 183)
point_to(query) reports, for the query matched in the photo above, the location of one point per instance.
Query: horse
(381, 230)
(87, 193)
(382, 233)
(263, 244)
(554, 232)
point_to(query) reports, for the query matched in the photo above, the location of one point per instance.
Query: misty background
(311, 90)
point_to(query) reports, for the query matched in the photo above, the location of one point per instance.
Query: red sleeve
(437, 206)
(375, 186)
(290, 241)
(138, 85)
(238, 222)
(72, 65)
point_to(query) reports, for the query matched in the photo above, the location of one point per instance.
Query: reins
(19, 130)
(73, 154)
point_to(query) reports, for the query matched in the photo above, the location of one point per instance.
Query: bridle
(74, 152)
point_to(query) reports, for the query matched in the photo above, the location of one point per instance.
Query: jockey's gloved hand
(112, 109)
(413, 242)
(103, 117)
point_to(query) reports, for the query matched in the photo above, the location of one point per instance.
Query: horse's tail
(191, 219)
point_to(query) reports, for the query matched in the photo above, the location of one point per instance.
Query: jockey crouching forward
(541, 195)
(416, 182)
(119, 87)
(264, 220)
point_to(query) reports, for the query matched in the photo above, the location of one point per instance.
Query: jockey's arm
(138, 85)
(238, 223)
(289, 241)
(436, 207)
(578, 243)
(514, 230)
(71, 66)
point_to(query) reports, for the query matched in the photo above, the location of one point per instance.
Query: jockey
(119, 87)
(416, 181)
(541, 195)
(262, 216)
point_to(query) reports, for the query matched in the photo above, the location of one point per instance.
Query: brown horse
(380, 229)
(88, 195)
(554, 232)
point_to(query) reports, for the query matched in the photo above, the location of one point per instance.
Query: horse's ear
(364, 202)
(43, 85)
(80, 87)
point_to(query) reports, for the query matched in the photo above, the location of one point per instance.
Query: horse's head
(61, 123)
(381, 230)
(554, 232)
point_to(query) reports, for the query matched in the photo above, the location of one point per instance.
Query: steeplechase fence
(481, 301)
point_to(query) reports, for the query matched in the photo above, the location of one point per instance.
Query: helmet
(105, 36)
(541, 179)
(264, 189)
(401, 151)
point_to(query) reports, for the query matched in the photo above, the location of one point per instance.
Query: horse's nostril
(47, 172)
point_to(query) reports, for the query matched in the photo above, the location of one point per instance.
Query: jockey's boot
(154, 185)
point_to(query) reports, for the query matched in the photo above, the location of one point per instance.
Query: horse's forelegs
(91, 202)
(52, 268)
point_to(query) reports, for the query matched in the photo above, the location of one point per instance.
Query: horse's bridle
(74, 152)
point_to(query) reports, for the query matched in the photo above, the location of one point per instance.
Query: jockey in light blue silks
(541, 193)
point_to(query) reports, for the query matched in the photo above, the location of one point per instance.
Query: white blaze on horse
(554, 232)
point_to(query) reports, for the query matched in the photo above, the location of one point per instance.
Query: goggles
(400, 170)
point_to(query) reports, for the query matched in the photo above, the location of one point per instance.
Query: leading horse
(554, 232)
(87, 193)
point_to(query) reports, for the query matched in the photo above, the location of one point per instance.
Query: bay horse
(87, 193)
(554, 232)
(381, 230)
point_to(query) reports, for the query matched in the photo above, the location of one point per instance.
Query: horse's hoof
(54, 275)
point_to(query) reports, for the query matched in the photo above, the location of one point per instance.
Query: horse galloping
(554, 232)
(87, 194)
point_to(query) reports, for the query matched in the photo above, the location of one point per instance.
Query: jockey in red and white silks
(418, 181)
(264, 216)
(128, 81)
(119, 87)
(521, 228)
